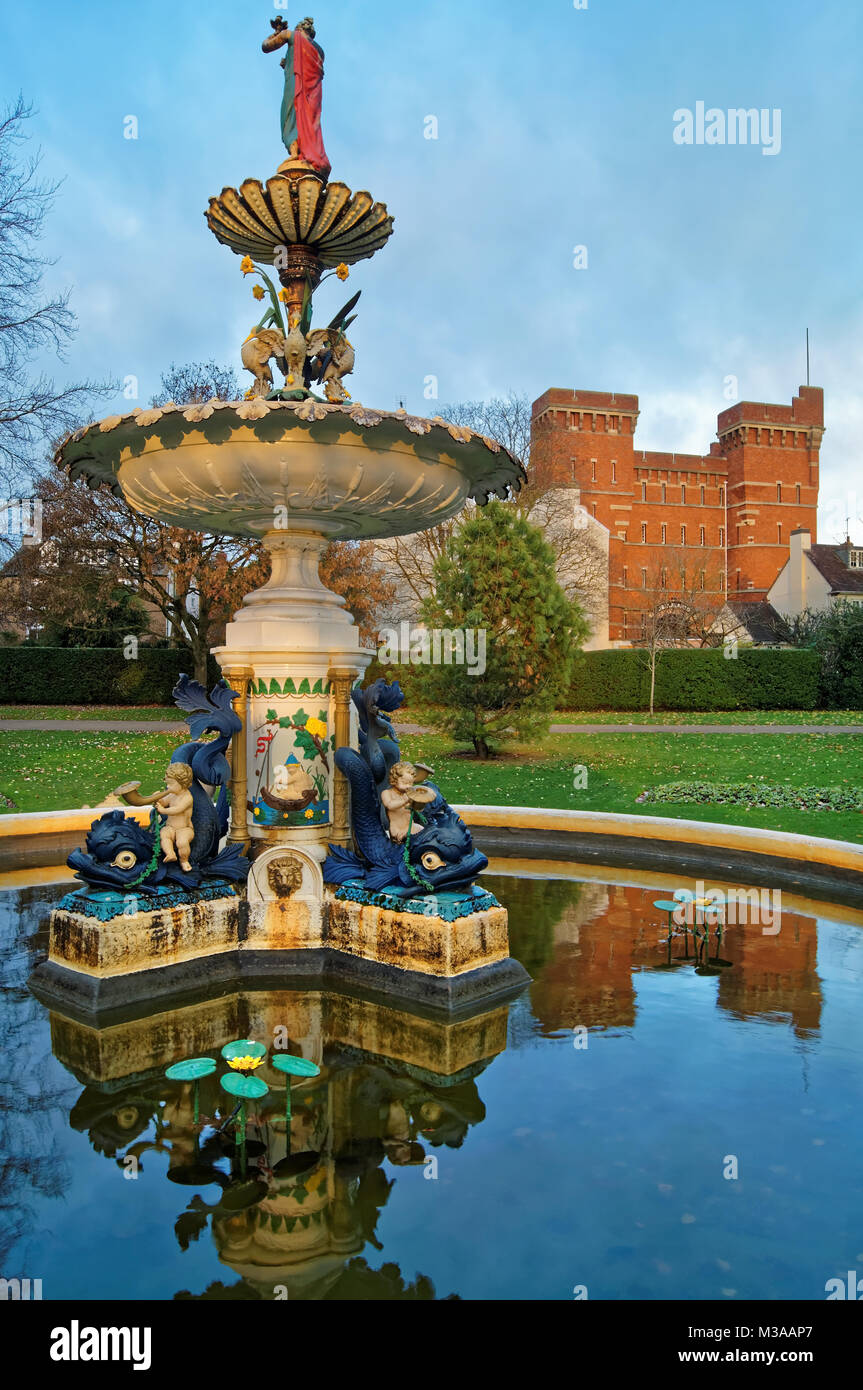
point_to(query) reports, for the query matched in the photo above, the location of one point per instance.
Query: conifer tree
(496, 576)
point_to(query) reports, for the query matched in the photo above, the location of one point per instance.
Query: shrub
(756, 794)
(92, 676)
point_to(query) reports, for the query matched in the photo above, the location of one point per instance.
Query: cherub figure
(402, 797)
(176, 803)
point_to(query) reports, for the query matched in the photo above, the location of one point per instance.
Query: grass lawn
(735, 716)
(53, 770)
(137, 714)
(621, 766)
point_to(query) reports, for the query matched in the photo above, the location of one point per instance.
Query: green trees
(497, 600)
(837, 636)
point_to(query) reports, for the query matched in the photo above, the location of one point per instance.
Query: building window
(703, 496)
(594, 509)
(722, 497)
(665, 535)
(683, 535)
(778, 492)
(644, 492)
(798, 494)
(613, 471)
(855, 559)
(644, 579)
(682, 493)
(644, 533)
(722, 535)
(593, 470)
(664, 492)
(625, 576)
(779, 532)
(701, 536)
(721, 582)
(664, 579)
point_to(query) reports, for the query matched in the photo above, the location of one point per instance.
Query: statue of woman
(301, 104)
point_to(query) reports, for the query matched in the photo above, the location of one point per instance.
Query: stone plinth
(448, 953)
(417, 940)
(144, 941)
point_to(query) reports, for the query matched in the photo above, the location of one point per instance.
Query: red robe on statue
(308, 81)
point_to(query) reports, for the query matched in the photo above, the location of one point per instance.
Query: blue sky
(555, 130)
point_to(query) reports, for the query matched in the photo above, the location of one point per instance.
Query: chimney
(801, 539)
(800, 543)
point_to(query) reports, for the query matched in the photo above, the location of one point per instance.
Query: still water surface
(499, 1158)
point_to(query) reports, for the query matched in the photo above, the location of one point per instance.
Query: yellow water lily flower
(310, 815)
(245, 1063)
(342, 271)
(247, 265)
(258, 291)
(316, 727)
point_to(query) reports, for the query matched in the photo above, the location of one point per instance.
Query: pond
(633, 1126)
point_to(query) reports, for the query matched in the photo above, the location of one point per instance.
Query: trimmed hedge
(760, 678)
(698, 680)
(702, 679)
(92, 675)
(686, 679)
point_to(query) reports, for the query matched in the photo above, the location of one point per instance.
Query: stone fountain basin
(246, 468)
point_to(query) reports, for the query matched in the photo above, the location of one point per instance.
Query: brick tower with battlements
(720, 520)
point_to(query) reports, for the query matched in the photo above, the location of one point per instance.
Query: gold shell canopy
(338, 225)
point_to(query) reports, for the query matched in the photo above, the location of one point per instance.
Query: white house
(817, 576)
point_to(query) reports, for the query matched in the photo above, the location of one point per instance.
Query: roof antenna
(807, 357)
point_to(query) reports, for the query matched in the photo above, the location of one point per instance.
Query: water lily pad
(296, 1165)
(192, 1069)
(196, 1175)
(249, 1087)
(295, 1066)
(244, 1048)
(242, 1195)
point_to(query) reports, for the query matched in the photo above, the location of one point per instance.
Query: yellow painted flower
(283, 296)
(258, 291)
(247, 265)
(290, 381)
(245, 1063)
(310, 815)
(250, 395)
(342, 271)
(316, 727)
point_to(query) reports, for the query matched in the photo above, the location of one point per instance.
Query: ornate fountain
(300, 464)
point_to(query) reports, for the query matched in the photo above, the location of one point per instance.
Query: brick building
(719, 521)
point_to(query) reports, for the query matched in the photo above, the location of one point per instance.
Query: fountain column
(342, 680)
(238, 678)
(301, 648)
